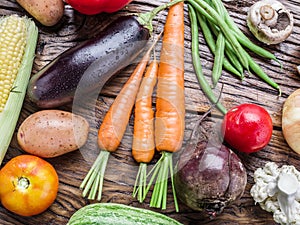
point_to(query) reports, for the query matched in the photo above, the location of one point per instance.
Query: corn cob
(18, 39)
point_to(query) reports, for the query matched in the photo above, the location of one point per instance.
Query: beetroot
(210, 176)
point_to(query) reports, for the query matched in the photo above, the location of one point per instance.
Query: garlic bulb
(270, 21)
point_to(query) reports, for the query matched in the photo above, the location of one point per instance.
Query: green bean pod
(204, 8)
(219, 53)
(241, 37)
(197, 62)
(261, 74)
(219, 58)
(233, 59)
(230, 53)
(209, 38)
(256, 49)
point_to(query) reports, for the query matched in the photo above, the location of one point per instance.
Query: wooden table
(121, 170)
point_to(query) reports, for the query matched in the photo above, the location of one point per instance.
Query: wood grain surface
(120, 174)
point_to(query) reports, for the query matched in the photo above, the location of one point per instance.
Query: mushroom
(270, 21)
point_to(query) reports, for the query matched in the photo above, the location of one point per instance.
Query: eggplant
(209, 176)
(91, 63)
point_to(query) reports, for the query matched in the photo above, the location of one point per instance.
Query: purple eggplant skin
(92, 63)
(210, 177)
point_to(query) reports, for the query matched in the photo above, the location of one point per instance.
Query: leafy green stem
(160, 173)
(140, 183)
(93, 181)
(145, 19)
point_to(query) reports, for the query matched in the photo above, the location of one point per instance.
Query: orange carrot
(115, 121)
(170, 106)
(143, 147)
(143, 135)
(113, 128)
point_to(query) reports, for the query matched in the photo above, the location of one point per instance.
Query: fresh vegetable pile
(93, 62)
(228, 44)
(113, 128)
(208, 174)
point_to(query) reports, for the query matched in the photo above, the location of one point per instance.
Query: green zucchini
(118, 214)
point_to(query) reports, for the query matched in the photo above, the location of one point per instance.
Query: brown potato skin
(51, 133)
(47, 12)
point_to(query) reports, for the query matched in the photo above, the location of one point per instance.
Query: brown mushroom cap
(270, 21)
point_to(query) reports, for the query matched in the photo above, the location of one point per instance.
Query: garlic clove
(270, 21)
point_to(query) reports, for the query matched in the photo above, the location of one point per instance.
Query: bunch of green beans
(227, 43)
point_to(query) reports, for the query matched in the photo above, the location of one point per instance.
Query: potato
(291, 121)
(50, 133)
(47, 12)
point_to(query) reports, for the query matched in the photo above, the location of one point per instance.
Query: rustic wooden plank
(72, 167)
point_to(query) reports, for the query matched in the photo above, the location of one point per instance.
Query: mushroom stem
(267, 12)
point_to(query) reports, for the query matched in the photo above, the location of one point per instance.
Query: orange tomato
(28, 185)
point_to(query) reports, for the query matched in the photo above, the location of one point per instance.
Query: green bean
(208, 36)
(257, 49)
(219, 58)
(198, 9)
(197, 62)
(218, 8)
(241, 37)
(204, 9)
(261, 74)
(229, 51)
(228, 19)
(233, 58)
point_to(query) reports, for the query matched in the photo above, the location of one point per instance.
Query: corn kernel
(12, 45)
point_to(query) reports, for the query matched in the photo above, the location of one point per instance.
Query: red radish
(247, 128)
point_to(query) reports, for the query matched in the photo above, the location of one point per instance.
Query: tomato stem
(23, 183)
